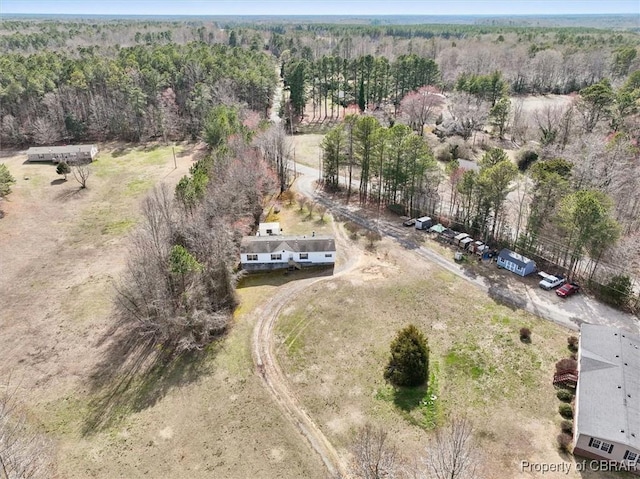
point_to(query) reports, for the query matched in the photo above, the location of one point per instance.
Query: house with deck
(68, 153)
(607, 408)
(263, 253)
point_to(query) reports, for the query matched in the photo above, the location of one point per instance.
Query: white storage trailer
(424, 223)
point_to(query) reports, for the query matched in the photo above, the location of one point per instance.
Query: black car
(409, 222)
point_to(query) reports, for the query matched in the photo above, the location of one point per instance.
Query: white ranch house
(68, 153)
(261, 253)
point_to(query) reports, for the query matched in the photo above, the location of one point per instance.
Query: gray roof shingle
(514, 257)
(609, 385)
(274, 244)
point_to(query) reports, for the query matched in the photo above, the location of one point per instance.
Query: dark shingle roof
(274, 244)
(514, 257)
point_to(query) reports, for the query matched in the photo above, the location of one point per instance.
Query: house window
(275, 257)
(252, 257)
(304, 255)
(606, 447)
(595, 443)
(328, 255)
(269, 232)
(630, 456)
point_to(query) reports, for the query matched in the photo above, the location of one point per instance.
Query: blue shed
(516, 263)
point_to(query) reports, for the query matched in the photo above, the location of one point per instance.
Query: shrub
(409, 360)
(287, 196)
(526, 158)
(566, 364)
(353, 229)
(372, 238)
(617, 291)
(63, 169)
(444, 154)
(564, 395)
(565, 410)
(572, 343)
(525, 335)
(564, 442)
(567, 426)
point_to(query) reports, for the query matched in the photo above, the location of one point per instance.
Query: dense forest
(143, 92)
(143, 80)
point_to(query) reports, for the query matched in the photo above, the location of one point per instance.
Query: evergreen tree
(362, 104)
(409, 360)
(6, 180)
(63, 169)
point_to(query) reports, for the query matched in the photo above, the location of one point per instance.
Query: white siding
(313, 257)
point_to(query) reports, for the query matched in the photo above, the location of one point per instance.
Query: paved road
(570, 312)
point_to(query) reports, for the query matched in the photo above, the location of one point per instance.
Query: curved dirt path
(263, 351)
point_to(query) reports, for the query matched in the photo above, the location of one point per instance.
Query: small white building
(269, 229)
(424, 223)
(262, 253)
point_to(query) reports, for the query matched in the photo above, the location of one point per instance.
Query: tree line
(179, 287)
(395, 165)
(143, 92)
(333, 81)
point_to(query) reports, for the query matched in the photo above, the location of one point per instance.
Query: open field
(333, 344)
(61, 251)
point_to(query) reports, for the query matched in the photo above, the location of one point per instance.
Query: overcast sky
(319, 7)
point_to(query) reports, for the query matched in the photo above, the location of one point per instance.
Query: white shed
(269, 229)
(424, 223)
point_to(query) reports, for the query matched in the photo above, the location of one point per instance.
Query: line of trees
(395, 165)
(144, 92)
(179, 287)
(331, 82)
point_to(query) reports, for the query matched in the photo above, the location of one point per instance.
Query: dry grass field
(61, 250)
(333, 344)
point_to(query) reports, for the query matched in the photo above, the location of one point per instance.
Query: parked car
(567, 290)
(409, 222)
(549, 281)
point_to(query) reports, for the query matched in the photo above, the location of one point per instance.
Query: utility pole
(175, 164)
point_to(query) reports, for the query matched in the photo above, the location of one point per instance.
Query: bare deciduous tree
(81, 172)
(24, 453)
(421, 106)
(373, 456)
(277, 151)
(452, 454)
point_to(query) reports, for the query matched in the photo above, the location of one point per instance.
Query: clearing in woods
(61, 251)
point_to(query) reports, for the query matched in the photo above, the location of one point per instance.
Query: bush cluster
(566, 410)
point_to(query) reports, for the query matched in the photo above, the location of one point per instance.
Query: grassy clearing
(479, 367)
(307, 148)
(296, 221)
